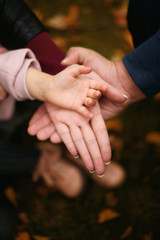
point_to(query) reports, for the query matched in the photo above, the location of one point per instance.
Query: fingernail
(100, 175)
(107, 163)
(76, 156)
(93, 171)
(125, 98)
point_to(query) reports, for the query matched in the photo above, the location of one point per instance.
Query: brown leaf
(148, 236)
(23, 217)
(106, 215)
(114, 125)
(157, 97)
(127, 232)
(154, 138)
(57, 21)
(36, 237)
(111, 199)
(60, 41)
(39, 14)
(22, 236)
(128, 37)
(11, 195)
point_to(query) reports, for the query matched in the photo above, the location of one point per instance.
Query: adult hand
(81, 136)
(113, 73)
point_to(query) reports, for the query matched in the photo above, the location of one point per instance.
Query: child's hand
(71, 89)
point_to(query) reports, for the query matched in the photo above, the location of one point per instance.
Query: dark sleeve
(143, 64)
(18, 24)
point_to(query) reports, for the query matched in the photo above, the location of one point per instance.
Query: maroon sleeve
(47, 52)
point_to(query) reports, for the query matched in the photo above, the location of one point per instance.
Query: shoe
(114, 176)
(58, 172)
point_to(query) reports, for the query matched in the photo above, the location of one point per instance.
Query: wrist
(128, 86)
(37, 83)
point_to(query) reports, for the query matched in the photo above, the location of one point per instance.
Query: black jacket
(18, 24)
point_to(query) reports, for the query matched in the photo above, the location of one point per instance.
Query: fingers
(65, 135)
(97, 85)
(114, 95)
(100, 131)
(85, 112)
(74, 56)
(55, 138)
(38, 123)
(92, 93)
(93, 148)
(80, 144)
(38, 114)
(46, 132)
(89, 102)
(79, 69)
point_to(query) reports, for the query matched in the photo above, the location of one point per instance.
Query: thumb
(71, 58)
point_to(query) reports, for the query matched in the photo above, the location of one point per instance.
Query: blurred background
(132, 209)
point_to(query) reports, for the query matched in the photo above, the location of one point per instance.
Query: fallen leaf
(106, 215)
(154, 138)
(111, 199)
(114, 125)
(128, 37)
(60, 41)
(22, 236)
(127, 232)
(11, 195)
(36, 237)
(157, 97)
(148, 236)
(57, 21)
(39, 14)
(23, 217)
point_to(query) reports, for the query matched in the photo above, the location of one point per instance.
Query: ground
(100, 25)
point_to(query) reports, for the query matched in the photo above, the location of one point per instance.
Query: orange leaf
(157, 97)
(114, 125)
(11, 195)
(106, 215)
(154, 138)
(23, 217)
(36, 237)
(149, 236)
(127, 232)
(22, 236)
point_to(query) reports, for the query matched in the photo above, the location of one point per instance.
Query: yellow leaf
(106, 215)
(11, 195)
(114, 125)
(154, 138)
(127, 232)
(22, 236)
(36, 237)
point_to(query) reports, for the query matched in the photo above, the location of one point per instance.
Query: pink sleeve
(13, 68)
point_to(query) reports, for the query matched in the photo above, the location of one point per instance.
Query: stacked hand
(82, 136)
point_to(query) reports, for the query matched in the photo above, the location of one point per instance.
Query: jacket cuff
(14, 65)
(143, 64)
(47, 52)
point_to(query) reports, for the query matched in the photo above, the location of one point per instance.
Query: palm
(106, 70)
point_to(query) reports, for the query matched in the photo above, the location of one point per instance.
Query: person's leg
(8, 218)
